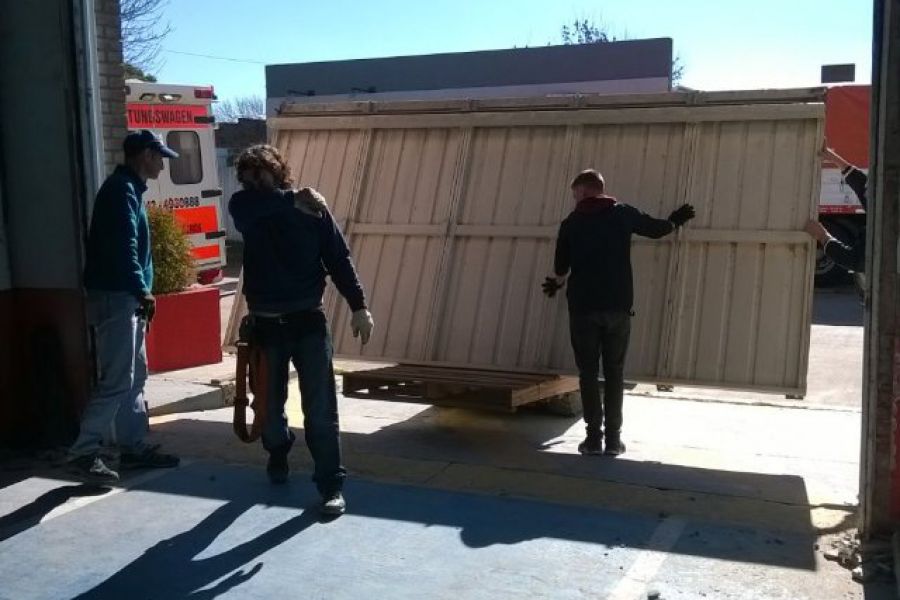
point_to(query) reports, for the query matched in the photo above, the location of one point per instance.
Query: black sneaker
(614, 447)
(333, 504)
(149, 458)
(277, 467)
(592, 445)
(92, 469)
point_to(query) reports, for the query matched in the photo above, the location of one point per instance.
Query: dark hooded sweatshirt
(594, 243)
(288, 253)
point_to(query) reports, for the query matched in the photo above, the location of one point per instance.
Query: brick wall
(112, 79)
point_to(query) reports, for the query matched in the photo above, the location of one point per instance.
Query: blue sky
(724, 44)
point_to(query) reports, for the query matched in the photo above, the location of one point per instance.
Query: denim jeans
(596, 336)
(303, 339)
(115, 413)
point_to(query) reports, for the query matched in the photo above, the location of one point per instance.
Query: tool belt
(253, 375)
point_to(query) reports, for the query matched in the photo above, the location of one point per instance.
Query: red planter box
(186, 330)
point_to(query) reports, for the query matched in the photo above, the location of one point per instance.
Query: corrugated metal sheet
(452, 218)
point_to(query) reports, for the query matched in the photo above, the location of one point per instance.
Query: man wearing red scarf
(593, 250)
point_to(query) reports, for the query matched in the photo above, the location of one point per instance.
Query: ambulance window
(188, 167)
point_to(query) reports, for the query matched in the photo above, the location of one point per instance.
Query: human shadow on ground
(31, 514)
(504, 520)
(454, 453)
(170, 570)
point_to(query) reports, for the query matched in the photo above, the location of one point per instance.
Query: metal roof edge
(557, 102)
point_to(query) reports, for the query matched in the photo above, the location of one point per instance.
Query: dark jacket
(118, 250)
(851, 256)
(594, 243)
(288, 253)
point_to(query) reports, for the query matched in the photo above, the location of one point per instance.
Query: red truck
(847, 131)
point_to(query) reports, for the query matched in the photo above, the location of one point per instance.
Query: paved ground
(213, 531)
(719, 496)
(452, 503)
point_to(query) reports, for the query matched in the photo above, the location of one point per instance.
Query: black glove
(551, 286)
(682, 215)
(146, 307)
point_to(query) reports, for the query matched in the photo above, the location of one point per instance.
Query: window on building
(188, 167)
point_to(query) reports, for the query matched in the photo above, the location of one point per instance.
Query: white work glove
(310, 201)
(362, 325)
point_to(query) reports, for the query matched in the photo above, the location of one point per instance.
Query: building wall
(230, 185)
(112, 79)
(44, 354)
(231, 139)
(40, 164)
(614, 61)
(880, 465)
(234, 137)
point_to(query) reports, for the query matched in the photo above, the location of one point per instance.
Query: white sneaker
(333, 504)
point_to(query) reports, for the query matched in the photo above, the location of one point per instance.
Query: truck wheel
(828, 274)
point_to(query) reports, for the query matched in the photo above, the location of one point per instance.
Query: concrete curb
(169, 397)
(789, 404)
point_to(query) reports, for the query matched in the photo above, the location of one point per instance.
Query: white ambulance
(189, 185)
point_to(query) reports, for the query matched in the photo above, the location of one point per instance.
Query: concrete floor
(213, 531)
(719, 496)
(451, 503)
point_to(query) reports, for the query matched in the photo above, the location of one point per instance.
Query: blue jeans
(115, 413)
(302, 338)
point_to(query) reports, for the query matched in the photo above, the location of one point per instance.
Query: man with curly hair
(291, 242)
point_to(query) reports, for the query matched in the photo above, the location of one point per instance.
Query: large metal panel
(643, 166)
(398, 236)
(741, 307)
(330, 161)
(452, 216)
(499, 248)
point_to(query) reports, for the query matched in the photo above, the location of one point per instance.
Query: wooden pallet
(465, 388)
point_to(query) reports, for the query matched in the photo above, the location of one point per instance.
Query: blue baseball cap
(138, 141)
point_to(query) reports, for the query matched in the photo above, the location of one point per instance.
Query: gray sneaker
(92, 469)
(333, 504)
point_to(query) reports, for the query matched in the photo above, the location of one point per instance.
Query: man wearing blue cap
(118, 276)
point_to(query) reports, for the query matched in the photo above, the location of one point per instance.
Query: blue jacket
(288, 253)
(118, 249)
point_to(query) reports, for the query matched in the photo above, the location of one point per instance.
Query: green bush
(173, 265)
